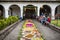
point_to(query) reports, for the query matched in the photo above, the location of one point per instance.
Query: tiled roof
(29, 0)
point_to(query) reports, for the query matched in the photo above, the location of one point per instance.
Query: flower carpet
(30, 32)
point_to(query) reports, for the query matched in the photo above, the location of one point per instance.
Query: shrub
(56, 22)
(13, 19)
(5, 22)
(0, 25)
(1, 17)
(8, 21)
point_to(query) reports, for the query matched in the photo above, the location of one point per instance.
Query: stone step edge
(54, 27)
(4, 30)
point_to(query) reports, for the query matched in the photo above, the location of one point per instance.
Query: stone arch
(57, 12)
(14, 10)
(46, 10)
(30, 5)
(30, 10)
(2, 11)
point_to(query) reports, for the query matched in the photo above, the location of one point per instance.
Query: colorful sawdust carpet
(30, 32)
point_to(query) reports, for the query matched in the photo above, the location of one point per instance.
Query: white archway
(45, 10)
(2, 11)
(14, 10)
(30, 11)
(57, 12)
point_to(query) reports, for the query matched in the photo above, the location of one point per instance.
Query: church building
(30, 8)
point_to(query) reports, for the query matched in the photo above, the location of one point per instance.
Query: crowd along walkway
(47, 32)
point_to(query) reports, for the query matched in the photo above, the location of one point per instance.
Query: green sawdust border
(20, 33)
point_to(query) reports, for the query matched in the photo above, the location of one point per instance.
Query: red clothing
(49, 19)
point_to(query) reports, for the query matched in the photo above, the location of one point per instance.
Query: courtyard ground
(47, 33)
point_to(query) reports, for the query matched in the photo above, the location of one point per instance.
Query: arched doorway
(45, 10)
(2, 11)
(57, 12)
(14, 10)
(30, 11)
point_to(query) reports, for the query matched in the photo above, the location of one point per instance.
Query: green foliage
(1, 17)
(20, 34)
(2, 24)
(56, 22)
(5, 22)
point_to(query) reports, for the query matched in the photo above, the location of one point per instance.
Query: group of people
(44, 19)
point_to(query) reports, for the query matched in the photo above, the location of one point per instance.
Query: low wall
(6, 31)
(54, 27)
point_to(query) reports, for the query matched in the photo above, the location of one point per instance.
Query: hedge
(8, 21)
(56, 22)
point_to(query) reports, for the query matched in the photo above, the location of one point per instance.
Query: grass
(56, 22)
(20, 33)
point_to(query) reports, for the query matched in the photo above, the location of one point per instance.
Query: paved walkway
(48, 33)
(14, 34)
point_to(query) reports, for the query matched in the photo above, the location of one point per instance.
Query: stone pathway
(48, 33)
(14, 34)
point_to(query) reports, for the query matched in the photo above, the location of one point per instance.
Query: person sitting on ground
(21, 18)
(37, 17)
(49, 19)
(40, 18)
(43, 20)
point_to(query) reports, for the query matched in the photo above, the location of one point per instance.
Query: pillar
(21, 11)
(53, 13)
(6, 13)
(38, 10)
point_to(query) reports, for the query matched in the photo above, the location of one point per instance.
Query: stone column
(6, 13)
(38, 11)
(21, 11)
(53, 13)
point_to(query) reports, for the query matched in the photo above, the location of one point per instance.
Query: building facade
(13, 8)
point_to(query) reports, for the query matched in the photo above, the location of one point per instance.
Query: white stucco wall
(16, 11)
(21, 4)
